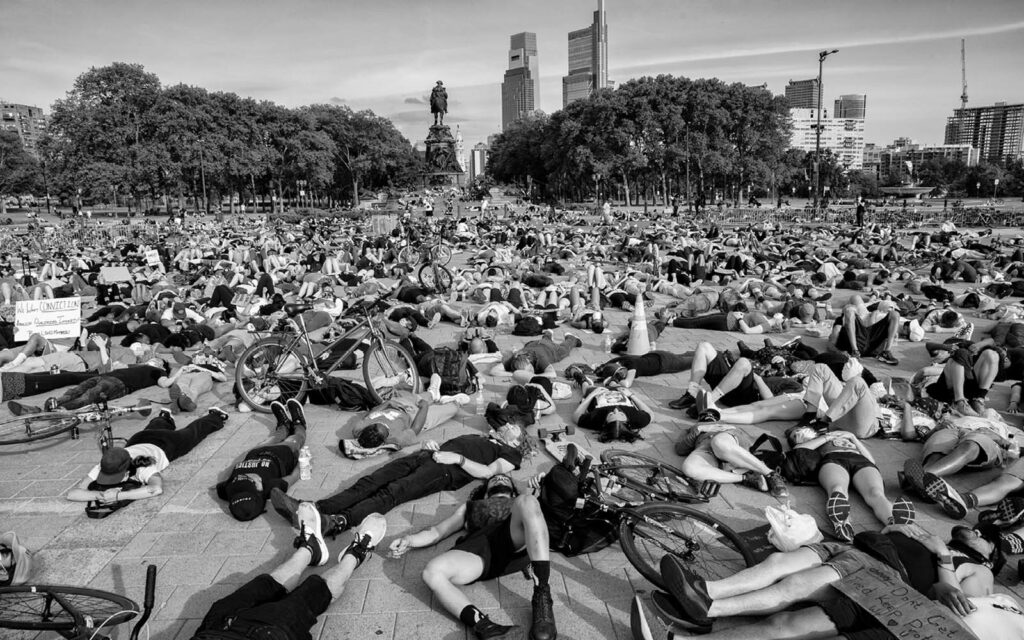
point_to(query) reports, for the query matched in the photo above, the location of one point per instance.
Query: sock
(470, 615)
(541, 572)
(1011, 543)
(970, 499)
(18, 359)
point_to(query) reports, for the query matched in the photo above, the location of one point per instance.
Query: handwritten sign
(903, 611)
(116, 274)
(57, 318)
(153, 257)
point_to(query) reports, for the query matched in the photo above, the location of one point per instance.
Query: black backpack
(453, 367)
(797, 466)
(528, 326)
(348, 396)
(574, 530)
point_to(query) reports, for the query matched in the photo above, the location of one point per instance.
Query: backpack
(528, 326)
(797, 466)
(573, 530)
(349, 396)
(452, 366)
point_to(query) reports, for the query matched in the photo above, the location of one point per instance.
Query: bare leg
(449, 571)
(803, 624)
(777, 408)
(961, 456)
(993, 492)
(812, 584)
(739, 371)
(868, 483)
(728, 449)
(287, 573)
(764, 574)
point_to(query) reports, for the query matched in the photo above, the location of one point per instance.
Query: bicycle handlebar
(147, 606)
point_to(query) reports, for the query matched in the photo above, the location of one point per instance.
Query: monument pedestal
(442, 166)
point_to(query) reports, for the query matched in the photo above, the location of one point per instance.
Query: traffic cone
(639, 341)
(595, 298)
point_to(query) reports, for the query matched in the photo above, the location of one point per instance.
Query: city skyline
(385, 57)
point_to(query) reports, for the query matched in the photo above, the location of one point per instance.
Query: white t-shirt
(142, 474)
(998, 617)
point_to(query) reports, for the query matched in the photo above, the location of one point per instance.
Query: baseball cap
(21, 561)
(245, 500)
(114, 466)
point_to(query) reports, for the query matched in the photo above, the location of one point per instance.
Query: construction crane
(963, 75)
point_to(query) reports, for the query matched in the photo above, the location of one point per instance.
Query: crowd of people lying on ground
(181, 322)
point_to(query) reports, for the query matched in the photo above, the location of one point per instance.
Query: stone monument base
(442, 166)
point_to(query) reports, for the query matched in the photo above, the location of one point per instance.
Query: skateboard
(555, 445)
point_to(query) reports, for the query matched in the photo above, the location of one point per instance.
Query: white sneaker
(310, 535)
(460, 399)
(366, 536)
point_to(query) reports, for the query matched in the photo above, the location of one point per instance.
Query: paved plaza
(202, 553)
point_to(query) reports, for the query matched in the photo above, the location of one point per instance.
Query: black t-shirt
(917, 560)
(270, 463)
(137, 377)
(411, 294)
(482, 450)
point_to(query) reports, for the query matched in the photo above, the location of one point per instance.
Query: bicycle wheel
(441, 253)
(269, 370)
(389, 367)
(52, 608)
(408, 255)
(654, 478)
(707, 546)
(436, 277)
(35, 427)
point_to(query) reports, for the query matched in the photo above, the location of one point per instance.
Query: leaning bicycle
(288, 364)
(38, 426)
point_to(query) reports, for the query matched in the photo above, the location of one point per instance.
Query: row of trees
(119, 133)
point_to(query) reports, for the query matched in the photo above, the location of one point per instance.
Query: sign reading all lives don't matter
(904, 612)
(56, 318)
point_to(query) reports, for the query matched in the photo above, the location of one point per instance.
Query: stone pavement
(203, 554)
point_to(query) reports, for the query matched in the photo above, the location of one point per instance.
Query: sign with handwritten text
(56, 318)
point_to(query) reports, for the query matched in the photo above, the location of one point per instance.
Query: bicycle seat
(295, 309)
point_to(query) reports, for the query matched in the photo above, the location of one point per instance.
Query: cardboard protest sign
(152, 257)
(56, 318)
(116, 274)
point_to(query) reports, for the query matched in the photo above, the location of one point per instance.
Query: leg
(764, 574)
(702, 355)
(802, 624)
(727, 449)
(449, 571)
(732, 380)
(810, 584)
(868, 482)
(777, 408)
(855, 409)
(962, 455)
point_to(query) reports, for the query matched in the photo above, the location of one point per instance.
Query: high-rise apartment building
(996, 131)
(844, 136)
(588, 59)
(852, 105)
(903, 156)
(478, 159)
(28, 122)
(520, 91)
(802, 94)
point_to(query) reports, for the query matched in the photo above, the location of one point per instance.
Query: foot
(219, 413)
(945, 495)
(280, 413)
(978, 405)
(903, 511)
(777, 485)
(20, 409)
(166, 415)
(486, 628)
(667, 608)
(285, 505)
(334, 524)
(575, 339)
(685, 401)
(543, 627)
(309, 534)
(688, 589)
(187, 404)
(912, 478)
(963, 408)
(367, 536)
(837, 510)
(886, 357)
(296, 411)
(1009, 512)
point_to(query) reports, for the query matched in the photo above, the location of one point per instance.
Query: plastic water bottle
(607, 343)
(305, 463)
(480, 409)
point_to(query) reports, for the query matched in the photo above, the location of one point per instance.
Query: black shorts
(493, 544)
(264, 602)
(745, 393)
(852, 622)
(851, 461)
(871, 338)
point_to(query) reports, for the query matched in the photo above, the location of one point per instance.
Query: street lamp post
(817, 131)
(202, 175)
(995, 189)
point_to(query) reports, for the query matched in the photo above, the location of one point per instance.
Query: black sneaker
(683, 402)
(886, 357)
(333, 525)
(309, 534)
(543, 627)
(1011, 511)
(687, 588)
(777, 485)
(285, 505)
(368, 535)
(166, 415)
(280, 413)
(298, 415)
(219, 413)
(945, 495)
(755, 481)
(486, 628)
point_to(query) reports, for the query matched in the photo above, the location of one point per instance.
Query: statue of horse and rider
(439, 103)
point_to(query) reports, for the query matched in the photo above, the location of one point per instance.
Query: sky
(385, 55)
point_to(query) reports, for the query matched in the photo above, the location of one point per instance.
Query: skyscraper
(520, 91)
(588, 59)
(853, 105)
(997, 131)
(28, 122)
(802, 94)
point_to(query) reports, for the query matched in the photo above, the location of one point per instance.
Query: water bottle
(480, 408)
(305, 463)
(607, 343)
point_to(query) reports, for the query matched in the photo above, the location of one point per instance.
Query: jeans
(91, 391)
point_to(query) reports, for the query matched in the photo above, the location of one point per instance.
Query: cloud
(337, 100)
(422, 100)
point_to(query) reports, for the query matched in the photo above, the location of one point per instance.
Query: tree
(19, 171)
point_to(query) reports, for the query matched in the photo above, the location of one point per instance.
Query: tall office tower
(28, 122)
(852, 105)
(588, 59)
(997, 131)
(520, 91)
(803, 94)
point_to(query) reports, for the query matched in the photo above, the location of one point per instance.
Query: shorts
(262, 608)
(871, 338)
(846, 560)
(703, 449)
(943, 442)
(493, 545)
(850, 461)
(852, 622)
(745, 393)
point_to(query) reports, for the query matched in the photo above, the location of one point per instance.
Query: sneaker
(219, 413)
(460, 399)
(575, 338)
(284, 504)
(280, 413)
(543, 626)
(18, 408)
(51, 405)
(886, 357)
(309, 534)
(486, 628)
(642, 627)
(166, 415)
(837, 510)
(366, 537)
(685, 401)
(777, 485)
(978, 405)
(187, 404)
(334, 524)
(667, 608)
(755, 481)
(688, 589)
(945, 495)
(964, 409)
(903, 511)
(297, 412)
(1010, 511)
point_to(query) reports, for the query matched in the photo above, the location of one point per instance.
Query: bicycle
(73, 612)
(434, 251)
(652, 523)
(37, 426)
(285, 364)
